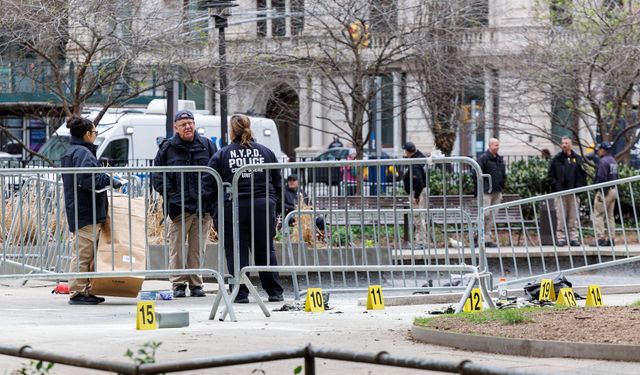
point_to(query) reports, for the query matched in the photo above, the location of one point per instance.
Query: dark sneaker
(180, 291)
(561, 243)
(196, 292)
(101, 299)
(241, 298)
(574, 243)
(276, 298)
(80, 299)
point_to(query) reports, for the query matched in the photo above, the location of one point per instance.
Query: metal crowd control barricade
(359, 238)
(37, 243)
(529, 246)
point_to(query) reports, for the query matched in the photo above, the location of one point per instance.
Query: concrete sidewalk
(31, 315)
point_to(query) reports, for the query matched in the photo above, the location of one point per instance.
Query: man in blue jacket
(185, 200)
(606, 170)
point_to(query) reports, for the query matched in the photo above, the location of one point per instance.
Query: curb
(433, 299)
(527, 348)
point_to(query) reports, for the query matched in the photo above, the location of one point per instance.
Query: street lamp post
(219, 10)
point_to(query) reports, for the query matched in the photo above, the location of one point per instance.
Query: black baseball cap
(183, 115)
(604, 145)
(292, 177)
(409, 146)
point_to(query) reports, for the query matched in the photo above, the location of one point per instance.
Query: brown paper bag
(117, 243)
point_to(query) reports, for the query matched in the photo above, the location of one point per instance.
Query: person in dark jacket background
(566, 171)
(80, 199)
(336, 142)
(415, 181)
(492, 164)
(292, 195)
(606, 170)
(258, 192)
(183, 196)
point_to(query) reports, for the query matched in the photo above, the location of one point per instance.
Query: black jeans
(261, 230)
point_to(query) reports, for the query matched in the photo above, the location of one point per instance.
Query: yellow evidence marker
(315, 300)
(547, 291)
(566, 297)
(594, 296)
(146, 316)
(474, 302)
(374, 298)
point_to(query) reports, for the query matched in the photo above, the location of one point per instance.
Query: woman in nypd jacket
(258, 191)
(85, 208)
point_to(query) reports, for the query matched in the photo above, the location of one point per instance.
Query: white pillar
(287, 19)
(305, 113)
(397, 114)
(269, 23)
(317, 111)
(489, 90)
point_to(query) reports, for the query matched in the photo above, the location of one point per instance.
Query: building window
(297, 17)
(196, 19)
(382, 109)
(261, 7)
(276, 14)
(562, 119)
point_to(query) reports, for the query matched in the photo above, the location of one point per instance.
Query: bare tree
(582, 69)
(346, 45)
(95, 51)
(443, 64)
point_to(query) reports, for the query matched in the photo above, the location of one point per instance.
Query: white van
(131, 136)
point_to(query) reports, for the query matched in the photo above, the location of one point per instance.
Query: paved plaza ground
(31, 315)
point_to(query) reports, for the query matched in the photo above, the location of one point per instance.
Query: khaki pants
(191, 249)
(82, 259)
(489, 199)
(567, 210)
(420, 233)
(602, 232)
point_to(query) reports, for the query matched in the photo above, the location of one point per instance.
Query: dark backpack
(532, 290)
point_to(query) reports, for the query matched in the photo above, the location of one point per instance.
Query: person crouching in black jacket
(85, 208)
(189, 213)
(258, 192)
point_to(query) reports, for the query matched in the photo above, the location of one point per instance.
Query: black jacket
(419, 177)
(566, 172)
(230, 158)
(493, 166)
(79, 155)
(291, 199)
(176, 152)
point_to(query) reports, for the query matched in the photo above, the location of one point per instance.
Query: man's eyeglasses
(185, 124)
(94, 132)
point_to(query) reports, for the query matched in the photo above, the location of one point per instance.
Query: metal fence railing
(572, 231)
(369, 231)
(345, 240)
(142, 234)
(308, 353)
